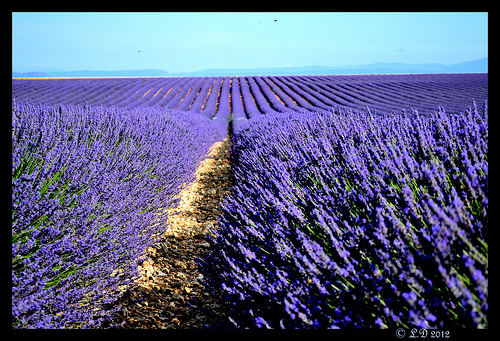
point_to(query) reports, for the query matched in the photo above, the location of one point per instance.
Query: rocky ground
(169, 294)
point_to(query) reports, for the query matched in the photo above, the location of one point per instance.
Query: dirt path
(169, 294)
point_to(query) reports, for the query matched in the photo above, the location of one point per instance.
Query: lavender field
(360, 200)
(247, 97)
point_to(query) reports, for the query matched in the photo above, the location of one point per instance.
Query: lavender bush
(89, 190)
(349, 219)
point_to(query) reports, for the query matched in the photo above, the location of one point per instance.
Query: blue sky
(181, 42)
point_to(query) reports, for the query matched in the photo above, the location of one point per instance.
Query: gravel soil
(169, 295)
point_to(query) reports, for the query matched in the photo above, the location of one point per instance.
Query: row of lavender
(90, 186)
(174, 93)
(350, 219)
(248, 97)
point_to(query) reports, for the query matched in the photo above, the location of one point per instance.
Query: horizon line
(271, 67)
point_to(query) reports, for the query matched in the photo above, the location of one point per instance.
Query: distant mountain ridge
(94, 73)
(475, 66)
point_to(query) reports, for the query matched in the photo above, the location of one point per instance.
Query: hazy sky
(177, 42)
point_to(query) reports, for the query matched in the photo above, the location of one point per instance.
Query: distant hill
(29, 74)
(321, 70)
(94, 73)
(475, 66)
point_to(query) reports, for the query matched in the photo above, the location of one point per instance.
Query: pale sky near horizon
(182, 42)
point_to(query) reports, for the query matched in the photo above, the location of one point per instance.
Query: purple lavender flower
(87, 184)
(375, 215)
